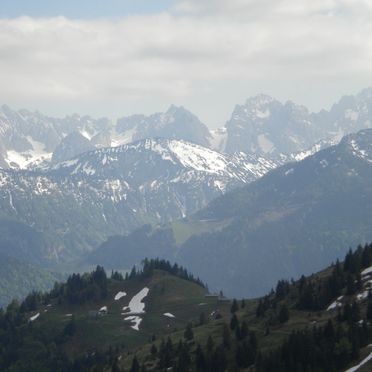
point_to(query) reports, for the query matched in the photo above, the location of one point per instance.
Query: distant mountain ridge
(261, 127)
(266, 127)
(108, 191)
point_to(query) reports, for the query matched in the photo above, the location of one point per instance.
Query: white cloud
(207, 55)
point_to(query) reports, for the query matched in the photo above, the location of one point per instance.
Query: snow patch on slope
(119, 295)
(33, 318)
(26, 159)
(136, 306)
(169, 315)
(361, 364)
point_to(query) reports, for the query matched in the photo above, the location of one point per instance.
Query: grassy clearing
(184, 229)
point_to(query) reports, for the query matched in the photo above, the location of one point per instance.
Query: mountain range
(262, 126)
(286, 223)
(77, 204)
(78, 191)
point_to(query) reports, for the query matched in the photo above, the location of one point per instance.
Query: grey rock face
(269, 128)
(71, 146)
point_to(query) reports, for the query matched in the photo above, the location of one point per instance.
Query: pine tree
(188, 334)
(243, 356)
(283, 314)
(200, 359)
(218, 360)
(234, 322)
(135, 365)
(226, 337)
(70, 328)
(260, 310)
(154, 350)
(237, 333)
(355, 312)
(115, 366)
(133, 273)
(210, 344)
(202, 318)
(184, 359)
(244, 330)
(234, 307)
(369, 310)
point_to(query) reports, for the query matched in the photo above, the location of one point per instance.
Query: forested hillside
(318, 323)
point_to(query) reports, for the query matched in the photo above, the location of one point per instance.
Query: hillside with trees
(317, 323)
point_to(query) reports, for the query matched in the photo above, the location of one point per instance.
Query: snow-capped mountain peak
(173, 159)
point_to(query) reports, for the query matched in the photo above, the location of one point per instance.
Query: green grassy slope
(18, 278)
(167, 294)
(271, 333)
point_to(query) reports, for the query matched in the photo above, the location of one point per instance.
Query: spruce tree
(226, 337)
(188, 334)
(200, 359)
(115, 366)
(283, 314)
(202, 318)
(154, 350)
(369, 310)
(244, 330)
(135, 365)
(210, 344)
(234, 322)
(234, 307)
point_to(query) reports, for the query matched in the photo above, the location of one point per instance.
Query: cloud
(207, 55)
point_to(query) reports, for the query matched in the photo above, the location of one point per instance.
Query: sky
(78, 9)
(116, 58)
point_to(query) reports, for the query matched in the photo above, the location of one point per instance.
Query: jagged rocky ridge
(262, 127)
(266, 127)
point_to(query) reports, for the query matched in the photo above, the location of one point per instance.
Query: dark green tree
(283, 314)
(188, 334)
(234, 306)
(135, 365)
(234, 322)
(226, 337)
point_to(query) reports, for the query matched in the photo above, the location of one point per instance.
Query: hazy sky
(114, 57)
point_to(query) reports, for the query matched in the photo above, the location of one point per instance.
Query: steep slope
(269, 128)
(293, 220)
(347, 115)
(71, 146)
(21, 241)
(176, 123)
(111, 191)
(265, 126)
(18, 279)
(29, 138)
